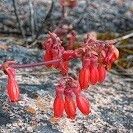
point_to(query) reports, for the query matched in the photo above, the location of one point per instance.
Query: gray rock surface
(101, 15)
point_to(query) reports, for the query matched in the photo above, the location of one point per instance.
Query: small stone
(29, 129)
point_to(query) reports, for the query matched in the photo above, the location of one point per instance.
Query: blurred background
(32, 20)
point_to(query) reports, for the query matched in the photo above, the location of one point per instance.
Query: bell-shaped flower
(102, 73)
(83, 104)
(59, 102)
(84, 75)
(94, 75)
(70, 106)
(13, 91)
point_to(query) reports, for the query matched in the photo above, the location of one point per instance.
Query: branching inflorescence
(97, 57)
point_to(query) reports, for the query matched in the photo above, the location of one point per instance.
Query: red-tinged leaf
(70, 107)
(83, 105)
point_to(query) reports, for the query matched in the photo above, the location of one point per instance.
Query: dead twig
(32, 18)
(123, 38)
(125, 46)
(124, 71)
(44, 20)
(18, 19)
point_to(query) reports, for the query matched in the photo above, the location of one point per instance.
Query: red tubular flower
(70, 107)
(83, 104)
(102, 73)
(12, 86)
(94, 75)
(84, 78)
(84, 75)
(59, 102)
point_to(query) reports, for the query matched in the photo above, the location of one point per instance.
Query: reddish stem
(17, 66)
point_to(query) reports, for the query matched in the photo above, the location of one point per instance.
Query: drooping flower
(59, 102)
(84, 75)
(94, 75)
(83, 104)
(70, 107)
(102, 73)
(13, 91)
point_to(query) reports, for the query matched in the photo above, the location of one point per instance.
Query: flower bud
(83, 104)
(12, 86)
(94, 75)
(63, 67)
(70, 107)
(84, 78)
(102, 73)
(84, 75)
(59, 102)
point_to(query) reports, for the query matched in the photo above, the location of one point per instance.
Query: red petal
(83, 104)
(102, 73)
(84, 78)
(94, 75)
(70, 107)
(48, 57)
(58, 106)
(12, 86)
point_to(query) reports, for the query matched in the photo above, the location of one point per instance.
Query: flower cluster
(96, 56)
(54, 50)
(12, 85)
(69, 98)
